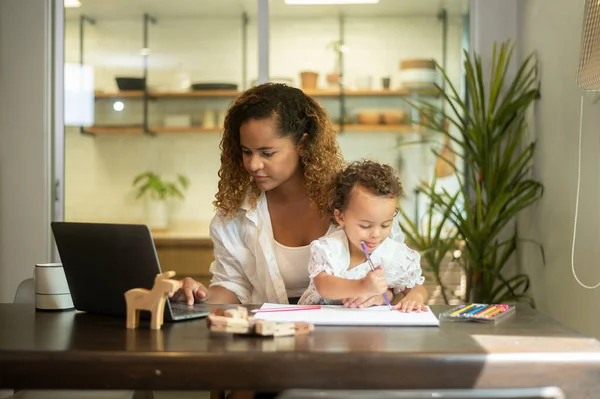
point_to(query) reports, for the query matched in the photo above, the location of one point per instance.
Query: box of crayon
(485, 313)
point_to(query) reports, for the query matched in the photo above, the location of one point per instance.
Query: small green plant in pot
(157, 190)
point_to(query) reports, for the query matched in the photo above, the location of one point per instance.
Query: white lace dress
(331, 254)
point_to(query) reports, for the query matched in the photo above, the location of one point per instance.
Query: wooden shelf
(114, 130)
(379, 128)
(316, 93)
(368, 93)
(235, 93)
(347, 128)
(185, 129)
(168, 94)
(195, 93)
(200, 129)
(119, 94)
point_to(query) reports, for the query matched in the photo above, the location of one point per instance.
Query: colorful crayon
(462, 309)
(475, 310)
(495, 312)
(484, 310)
(491, 309)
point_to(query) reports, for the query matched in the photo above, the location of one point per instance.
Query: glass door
(147, 150)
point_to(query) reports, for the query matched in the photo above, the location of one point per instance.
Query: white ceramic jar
(51, 288)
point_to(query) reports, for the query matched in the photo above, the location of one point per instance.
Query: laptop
(102, 261)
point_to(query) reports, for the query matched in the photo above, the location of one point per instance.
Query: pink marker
(290, 309)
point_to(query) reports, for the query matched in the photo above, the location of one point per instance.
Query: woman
(279, 154)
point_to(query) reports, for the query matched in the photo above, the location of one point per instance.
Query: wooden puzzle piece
(237, 321)
(265, 327)
(239, 313)
(284, 329)
(303, 328)
(228, 324)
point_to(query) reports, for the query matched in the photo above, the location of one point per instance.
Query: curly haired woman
(279, 154)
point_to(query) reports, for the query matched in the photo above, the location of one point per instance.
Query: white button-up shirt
(244, 249)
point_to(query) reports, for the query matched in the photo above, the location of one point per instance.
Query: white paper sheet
(341, 316)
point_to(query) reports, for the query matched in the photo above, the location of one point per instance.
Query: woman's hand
(190, 291)
(413, 301)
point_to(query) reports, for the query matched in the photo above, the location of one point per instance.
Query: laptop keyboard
(181, 310)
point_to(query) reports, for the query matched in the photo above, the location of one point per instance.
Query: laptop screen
(102, 261)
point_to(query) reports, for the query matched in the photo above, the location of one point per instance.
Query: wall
(493, 21)
(552, 30)
(25, 123)
(99, 170)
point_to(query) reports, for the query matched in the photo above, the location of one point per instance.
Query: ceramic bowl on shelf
(213, 86)
(129, 83)
(368, 117)
(393, 116)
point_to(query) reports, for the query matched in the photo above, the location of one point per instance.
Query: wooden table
(69, 350)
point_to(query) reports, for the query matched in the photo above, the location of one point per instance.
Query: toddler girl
(363, 203)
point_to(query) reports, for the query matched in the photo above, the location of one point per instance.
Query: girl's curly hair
(296, 114)
(379, 179)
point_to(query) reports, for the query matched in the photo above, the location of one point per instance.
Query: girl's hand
(365, 302)
(413, 301)
(374, 283)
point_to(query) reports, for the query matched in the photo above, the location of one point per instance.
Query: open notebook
(341, 316)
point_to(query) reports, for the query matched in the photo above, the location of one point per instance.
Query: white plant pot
(157, 214)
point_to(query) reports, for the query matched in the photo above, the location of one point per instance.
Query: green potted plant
(157, 190)
(496, 183)
(437, 240)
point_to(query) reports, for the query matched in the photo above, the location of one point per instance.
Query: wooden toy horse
(153, 300)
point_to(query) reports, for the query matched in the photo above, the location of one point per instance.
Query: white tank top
(293, 267)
